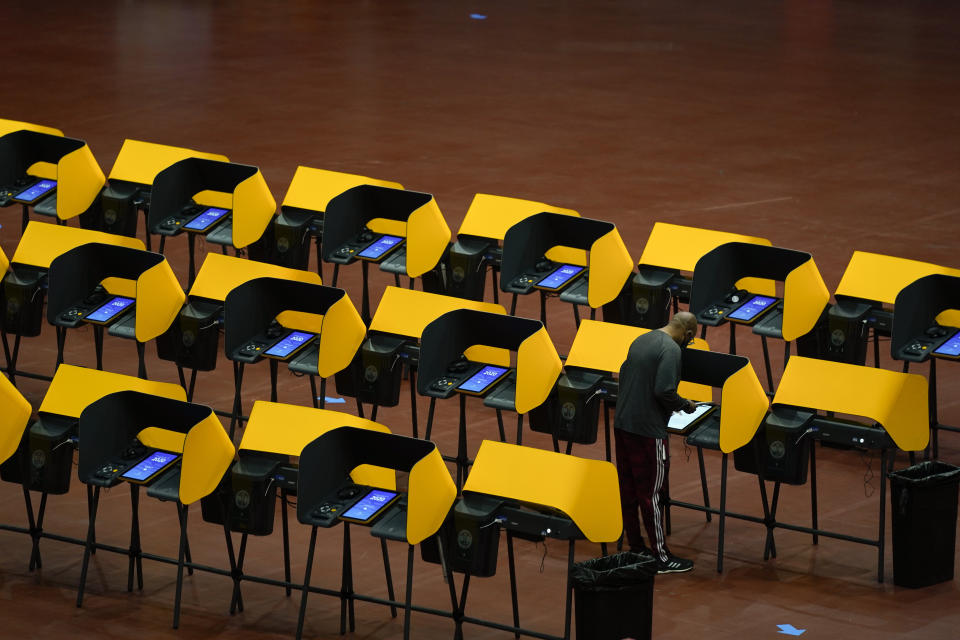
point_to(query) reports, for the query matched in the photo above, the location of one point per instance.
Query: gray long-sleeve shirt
(648, 385)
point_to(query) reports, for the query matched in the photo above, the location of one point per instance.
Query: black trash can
(924, 505)
(614, 597)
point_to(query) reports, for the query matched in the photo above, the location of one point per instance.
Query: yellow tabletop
(42, 242)
(9, 126)
(313, 189)
(585, 490)
(286, 429)
(603, 346)
(406, 312)
(677, 247)
(873, 276)
(140, 162)
(491, 216)
(898, 401)
(73, 388)
(220, 274)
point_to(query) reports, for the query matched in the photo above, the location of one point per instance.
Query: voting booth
(176, 451)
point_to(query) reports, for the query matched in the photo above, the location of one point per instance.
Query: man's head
(682, 328)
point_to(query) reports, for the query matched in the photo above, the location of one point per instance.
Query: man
(646, 398)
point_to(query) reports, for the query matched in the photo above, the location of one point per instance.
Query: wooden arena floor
(824, 126)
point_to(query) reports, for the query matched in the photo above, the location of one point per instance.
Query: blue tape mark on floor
(789, 629)
(478, 16)
(329, 400)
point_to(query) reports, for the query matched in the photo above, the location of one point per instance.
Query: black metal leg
(346, 582)
(388, 575)
(191, 260)
(365, 301)
(274, 368)
(519, 428)
(503, 435)
(141, 360)
(606, 428)
(568, 609)
(813, 491)
(766, 362)
(285, 525)
(413, 402)
(98, 345)
(543, 308)
(323, 393)
(409, 597)
(513, 584)
(24, 217)
(703, 482)
(496, 287)
(182, 511)
(35, 527)
(770, 547)
(134, 550)
(313, 392)
(237, 601)
(513, 305)
(336, 274)
(462, 443)
(163, 243)
(306, 578)
(883, 514)
(396, 280)
(373, 411)
(876, 349)
(723, 513)
(733, 338)
(430, 411)
(237, 413)
(236, 570)
(576, 315)
(92, 517)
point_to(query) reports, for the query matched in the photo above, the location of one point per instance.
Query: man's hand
(690, 407)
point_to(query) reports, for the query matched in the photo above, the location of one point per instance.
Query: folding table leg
(135, 558)
(813, 492)
(568, 609)
(409, 598)
(703, 482)
(513, 584)
(346, 583)
(723, 513)
(182, 511)
(430, 412)
(284, 521)
(388, 576)
(306, 582)
(237, 413)
(92, 517)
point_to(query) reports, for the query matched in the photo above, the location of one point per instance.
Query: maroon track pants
(642, 467)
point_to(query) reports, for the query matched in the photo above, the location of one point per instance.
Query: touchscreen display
(110, 309)
(370, 505)
(150, 466)
(293, 341)
(481, 380)
(680, 421)
(206, 219)
(559, 276)
(752, 308)
(33, 192)
(951, 347)
(380, 247)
